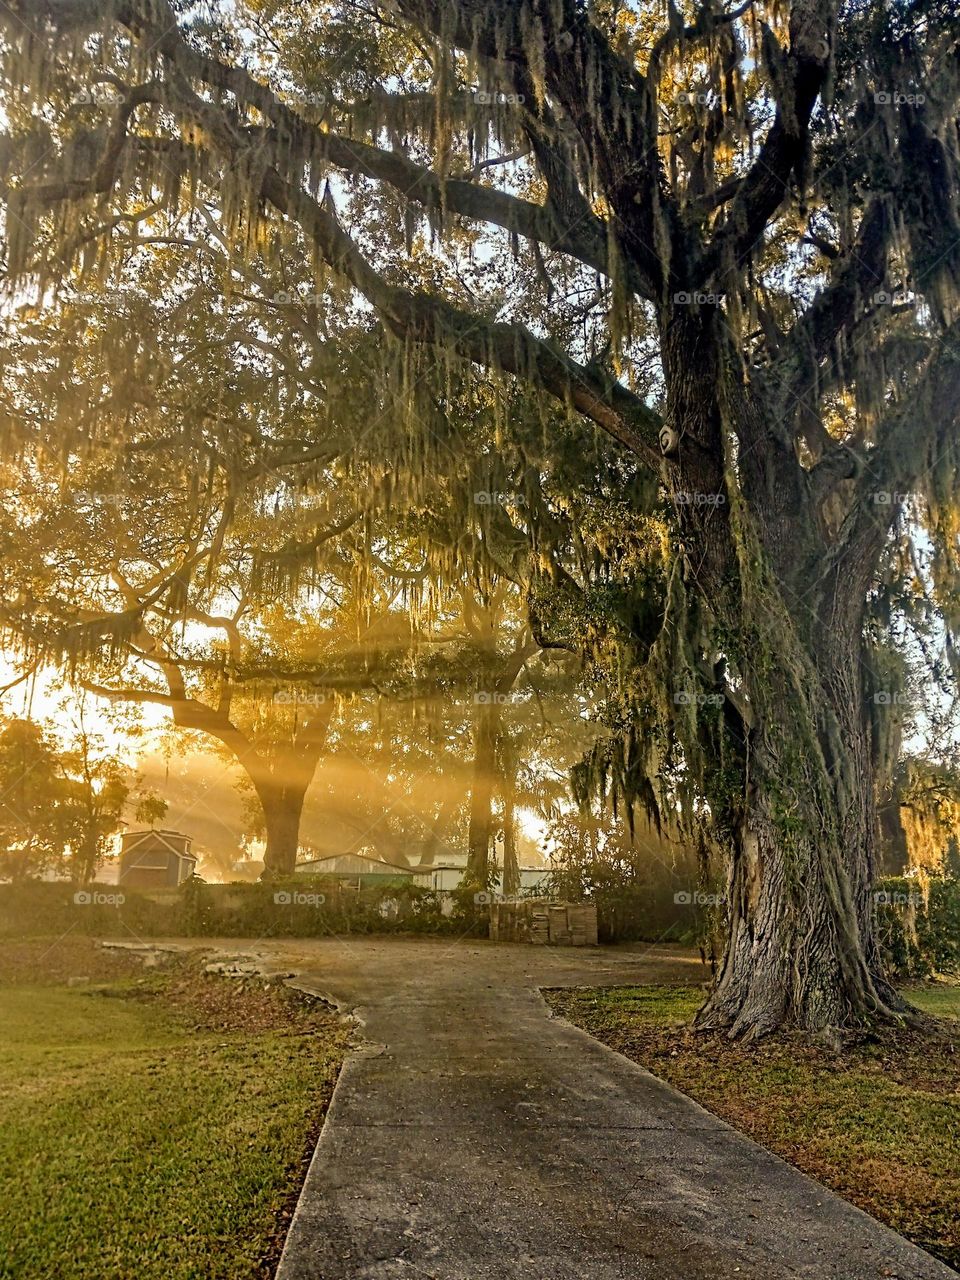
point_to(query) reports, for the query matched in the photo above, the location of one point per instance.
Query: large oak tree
(759, 205)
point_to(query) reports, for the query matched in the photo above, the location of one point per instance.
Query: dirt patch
(177, 981)
(211, 1001)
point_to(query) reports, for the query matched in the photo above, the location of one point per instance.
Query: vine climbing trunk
(801, 948)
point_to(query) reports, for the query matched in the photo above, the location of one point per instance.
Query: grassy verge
(878, 1122)
(153, 1126)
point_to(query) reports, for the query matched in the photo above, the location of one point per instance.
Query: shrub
(918, 924)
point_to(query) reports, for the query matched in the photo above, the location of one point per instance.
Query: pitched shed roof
(353, 864)
(153, 837)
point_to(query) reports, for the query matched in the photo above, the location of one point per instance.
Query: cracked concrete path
(475, 1137)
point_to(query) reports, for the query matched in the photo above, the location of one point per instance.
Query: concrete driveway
(475, 1137)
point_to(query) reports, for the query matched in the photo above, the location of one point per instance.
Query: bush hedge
(302, 908)
(918, 924)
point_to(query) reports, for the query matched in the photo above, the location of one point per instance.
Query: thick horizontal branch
(510, 348)
(584, 240)
(423, 318)
(187, 713)
(324, 532)
(702, 28)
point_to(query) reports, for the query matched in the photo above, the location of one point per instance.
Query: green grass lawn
(942, 1002)
(879, 1121)
(155, 1128)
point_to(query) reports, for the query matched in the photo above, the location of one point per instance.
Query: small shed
(155, 859)
(441, 877)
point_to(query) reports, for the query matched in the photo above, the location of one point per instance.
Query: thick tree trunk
(435, 836)
(801, 948)
(508, 800)
(511, 864)
(485, 726)
(281, 782)
(85, 860)
(793, 802)
(282, 810)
